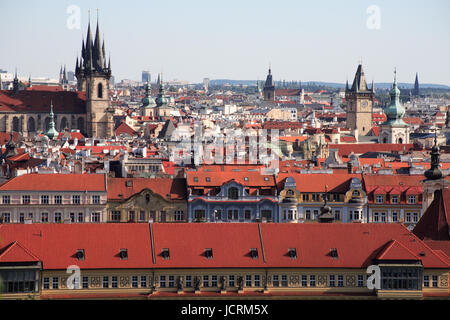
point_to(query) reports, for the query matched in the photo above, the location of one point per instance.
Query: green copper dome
(395, 111)
(51, 132)
(161, 99)
(148, 101)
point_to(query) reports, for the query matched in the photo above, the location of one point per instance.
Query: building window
(316, 214)
(412, 199)
(188, 281)
(305, 197)
(266, 215)
(205, 281)
(248, 280)
(72, 217)
(57, 217)
(105, 282)
(199, 215)
(95, 199)
(415, 217)
(335, 197)
(284, 280)
(312, 280)
(141, 215)
(337, 215)
(143, 281)
(6, 217)
(257, 280)
(85, 282)
(21, 217)
(379, 199)
(115, 216)
(179, 215)
(376, 217)
(394, 199)
(131, 216)
(134, 281)
(426, 281)
(394, 216)
(100, 90)
(44, 217)
(400, 278)
(26, 199)
(340, 281)
(276, 281)
(6, 199)
(114, 282)
(247, 214)
(44, 199)
(308, 215)
(57, 199)
(355, 193)
(231, 281)
(46, 283)
(360, 280)
(95, 216)
(55, 283)
(304, 280)
(80, 217)
(214, 281)
(162, 281)
(408, 217)
(75, 199)
(383, 217)
(332, 281)
(233, 193)
(434, 281)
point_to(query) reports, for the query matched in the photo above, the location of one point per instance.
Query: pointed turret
(359, 83)
(269, 87)
(30, 84)
(434, 173)
(99, 63)
(416, 90)
(16, 83)
(51, 132)
(395, 111)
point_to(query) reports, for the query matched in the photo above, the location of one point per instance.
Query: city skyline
(307, 42)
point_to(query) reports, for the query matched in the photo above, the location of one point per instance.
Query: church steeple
(51, 132)
(434, 173)
(16, 83)
(416, 91)
(359, 82)
(395, 111)
(269, 87)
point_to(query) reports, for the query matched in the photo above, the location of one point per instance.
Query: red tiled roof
(360, 148)
(15, 252)
(394, 250)
(316, 182)
(102, 243)
(56, 182)
(123, 128)
(171, 189)
(39, 101)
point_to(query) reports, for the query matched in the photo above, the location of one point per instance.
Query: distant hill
(378, 85)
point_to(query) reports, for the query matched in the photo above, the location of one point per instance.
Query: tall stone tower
(93, 75)
(269, 88)
(359, 103)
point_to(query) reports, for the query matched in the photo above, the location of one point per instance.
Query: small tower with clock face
(359, 100)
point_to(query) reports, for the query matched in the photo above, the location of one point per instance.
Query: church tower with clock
(359, 100)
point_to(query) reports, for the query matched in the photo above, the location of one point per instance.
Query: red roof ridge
(392, 248)
(11, 248)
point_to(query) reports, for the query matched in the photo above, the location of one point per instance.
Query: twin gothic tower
(93, 75)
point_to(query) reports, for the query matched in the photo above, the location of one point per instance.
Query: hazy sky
(190, 40)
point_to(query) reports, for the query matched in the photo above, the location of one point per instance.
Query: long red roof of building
(56, 182)
(231, 244)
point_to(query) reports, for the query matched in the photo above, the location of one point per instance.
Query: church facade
(26, 108)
